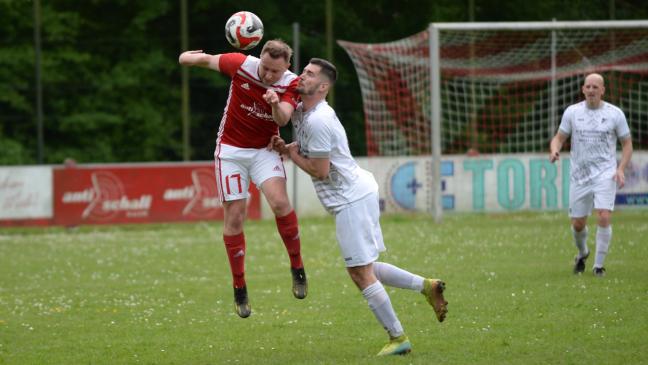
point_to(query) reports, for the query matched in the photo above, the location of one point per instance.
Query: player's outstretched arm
(200, 59)
(555, 146)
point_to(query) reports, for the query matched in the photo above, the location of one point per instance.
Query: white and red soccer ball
(244, 30)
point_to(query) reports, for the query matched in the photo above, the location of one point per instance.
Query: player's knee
(233, 226)
(233, 220)
(604, 217)
(280, 207)
(362, 276)
(579, 224)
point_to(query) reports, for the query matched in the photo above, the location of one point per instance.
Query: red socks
(289, 232)
(235, 247)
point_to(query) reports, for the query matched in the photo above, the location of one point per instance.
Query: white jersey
(321, 135)
(594, 134)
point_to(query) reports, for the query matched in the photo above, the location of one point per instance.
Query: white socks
(391, 275)
(580, 241)
(603, 237)
(381, 307)
(378, 299)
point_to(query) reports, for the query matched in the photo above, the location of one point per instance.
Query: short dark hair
(328, 69)
(277, 48)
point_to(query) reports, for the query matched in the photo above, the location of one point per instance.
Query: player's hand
(554, 156)
(271, 97)
(619, 177)
(292, 148)
(278, 144)
(185, 57)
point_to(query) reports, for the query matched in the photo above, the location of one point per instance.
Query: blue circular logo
(404, 185)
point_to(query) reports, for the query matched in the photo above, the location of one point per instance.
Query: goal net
(502, 86)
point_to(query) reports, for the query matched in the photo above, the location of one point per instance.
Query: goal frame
(435, 77)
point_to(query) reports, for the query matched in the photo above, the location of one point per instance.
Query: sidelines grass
(161, 294)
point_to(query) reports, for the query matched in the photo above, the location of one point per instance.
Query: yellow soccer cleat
(397, 346)
(433, 292)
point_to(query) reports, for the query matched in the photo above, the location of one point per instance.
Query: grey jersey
(321, 135)
(594, 134)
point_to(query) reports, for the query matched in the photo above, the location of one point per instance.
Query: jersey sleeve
(320, 139)
(291, 96)
(566, 122)
(229, 63)
(622, 129)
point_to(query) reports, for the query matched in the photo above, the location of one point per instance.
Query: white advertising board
(26, 192)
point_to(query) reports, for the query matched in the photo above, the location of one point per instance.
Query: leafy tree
(111, 79)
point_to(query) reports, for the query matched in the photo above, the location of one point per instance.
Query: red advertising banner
(139, 193)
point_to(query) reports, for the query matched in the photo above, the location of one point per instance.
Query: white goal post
(472, 88)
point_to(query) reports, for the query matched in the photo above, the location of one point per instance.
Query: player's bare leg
(234, 216)
(274, 189)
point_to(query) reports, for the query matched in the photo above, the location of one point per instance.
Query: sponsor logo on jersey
(245, 86)
(256, 111)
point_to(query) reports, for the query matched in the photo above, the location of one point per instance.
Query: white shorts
(235, 167)
(357, 227)
(598, 194)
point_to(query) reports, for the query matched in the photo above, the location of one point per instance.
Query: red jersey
(247, 120)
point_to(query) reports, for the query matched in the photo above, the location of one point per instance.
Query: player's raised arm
(200, 59)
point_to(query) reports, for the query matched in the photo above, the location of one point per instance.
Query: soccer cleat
(599, 271)
(579, 263)
(299, 283)
(241, 304)
(433, 292)
(397, 346)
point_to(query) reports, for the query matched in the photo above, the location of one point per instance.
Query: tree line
(111, 80)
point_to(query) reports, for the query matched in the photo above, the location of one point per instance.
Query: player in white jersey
(351, 195)
(594, 126)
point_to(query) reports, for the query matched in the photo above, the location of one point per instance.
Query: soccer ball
(244, 30)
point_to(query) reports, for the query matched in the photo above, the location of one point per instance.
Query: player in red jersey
(262, 98)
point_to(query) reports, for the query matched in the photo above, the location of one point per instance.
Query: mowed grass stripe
(161, 294)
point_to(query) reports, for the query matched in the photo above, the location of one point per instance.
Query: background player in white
(594, 126)
(351, 194)
(262, 97)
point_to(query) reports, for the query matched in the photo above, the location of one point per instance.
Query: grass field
(161, 294)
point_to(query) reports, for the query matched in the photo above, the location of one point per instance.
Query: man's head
(593, 89)
(275, 60)
(318, 77)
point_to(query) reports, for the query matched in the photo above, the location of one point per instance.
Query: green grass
(161, 294)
